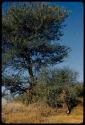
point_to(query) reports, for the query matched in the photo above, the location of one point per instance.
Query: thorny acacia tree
(29, 34)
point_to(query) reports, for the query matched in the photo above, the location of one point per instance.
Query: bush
(80, 89)
(40, 93)
(71, 96)
(54, 99)
(51, 90)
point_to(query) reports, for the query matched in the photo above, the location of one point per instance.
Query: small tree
(61, 87)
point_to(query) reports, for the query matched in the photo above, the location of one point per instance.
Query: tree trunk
(65, 106)
(30, 66)
(31, 75)
(30, 91)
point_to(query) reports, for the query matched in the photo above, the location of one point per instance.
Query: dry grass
(39, 113)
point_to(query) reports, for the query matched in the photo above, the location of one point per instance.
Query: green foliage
(7, 56)
(14, 84)
(53, 98)
(71, 96)
(25, 23)
(80, 89)
(30, 31)
(64, 76)
(58, 80)
(41, 92)
(45, 89)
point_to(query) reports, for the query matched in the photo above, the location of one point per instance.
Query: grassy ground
(39, 113)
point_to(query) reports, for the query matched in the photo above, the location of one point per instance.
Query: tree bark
(31, 75)
(30, 67)
(30, 90)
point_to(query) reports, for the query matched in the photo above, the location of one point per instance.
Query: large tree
(30, 37)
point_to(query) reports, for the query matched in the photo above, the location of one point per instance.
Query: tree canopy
(30, 36)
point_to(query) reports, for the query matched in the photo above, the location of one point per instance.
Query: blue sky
(73, 35)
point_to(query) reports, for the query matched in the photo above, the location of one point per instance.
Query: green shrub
(40, 94)
(71, 97)
(54, 99)
(80, 89)
(50, 89)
